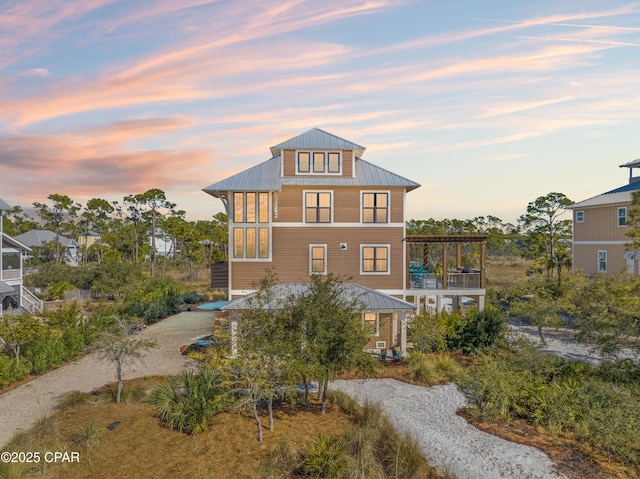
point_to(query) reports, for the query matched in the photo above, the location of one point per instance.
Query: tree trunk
(257, 419)
(270, 409)
(306, 390)
(542, 340)
(320, 390)
(323, 409)
(119, 393)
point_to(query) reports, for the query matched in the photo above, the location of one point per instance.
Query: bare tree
(121, 348)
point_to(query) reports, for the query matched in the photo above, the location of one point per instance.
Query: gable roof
(372, 300)
(14, 242)
(4, 205)
(317, 139)
(618, 195)
(41, 237)
(266, 177)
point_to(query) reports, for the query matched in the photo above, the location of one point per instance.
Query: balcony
(446, 262)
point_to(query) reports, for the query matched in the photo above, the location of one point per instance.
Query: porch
(445, 272)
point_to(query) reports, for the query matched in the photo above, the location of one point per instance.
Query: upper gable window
(579, 216)
(319, 162)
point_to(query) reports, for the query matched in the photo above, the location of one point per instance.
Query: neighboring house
(38, 238)
(88, 239)
(317, 207)
(13, 295)
(599, 227)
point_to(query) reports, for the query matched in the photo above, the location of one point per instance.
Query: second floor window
(251, 207)
(375, 207)
(317, 206)
(579, 216)
(375, 259)
(622, 216)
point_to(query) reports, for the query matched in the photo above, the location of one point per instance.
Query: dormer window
(319, 162)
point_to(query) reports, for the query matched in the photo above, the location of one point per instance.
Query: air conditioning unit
(381, 344)
(343, 246)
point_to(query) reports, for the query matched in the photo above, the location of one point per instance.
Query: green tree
(17, 330)
(609, 312)
(540, 303)
(157, 205)
(334, 333)
(96, 215)
(633, 221)
(61, 210)
(544, 228)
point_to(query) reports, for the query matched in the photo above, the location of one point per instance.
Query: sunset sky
(488, 104)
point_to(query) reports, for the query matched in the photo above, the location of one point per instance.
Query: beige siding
(346, 203)
(289, 163)
(290, 255)
(600, 224)
(585, 258)
(385, 332)
(347, 163)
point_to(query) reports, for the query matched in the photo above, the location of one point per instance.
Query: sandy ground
(447, 440)
(20, 408)
(560, 342)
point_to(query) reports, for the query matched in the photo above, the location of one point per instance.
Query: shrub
(325, 457)
(478, 330)
(12, 370)
(190, 401)
(46, 352)
(71, 400)
(56, 290)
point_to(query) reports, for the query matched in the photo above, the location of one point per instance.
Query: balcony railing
(454, 281)
(9, 274)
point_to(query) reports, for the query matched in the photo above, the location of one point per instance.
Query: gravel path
(447, 440)
(20, 408)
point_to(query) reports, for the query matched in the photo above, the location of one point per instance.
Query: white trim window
(602, 261)
(251, 230)
(317, 259)
(375, 206)
(579, 216)
(319, 162)
(375, 259)
(317, 206)
(622, 216)
(372, 320)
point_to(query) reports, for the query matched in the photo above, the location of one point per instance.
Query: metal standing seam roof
(266, 177)
(14, 242)
(5, 288)
(372, 300)
(621, 194)
(40, 237)
(4, 205)
(317, 139)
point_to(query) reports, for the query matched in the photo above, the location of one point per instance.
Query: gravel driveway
(20, 408)
(447, 440)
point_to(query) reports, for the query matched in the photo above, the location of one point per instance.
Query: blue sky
(488, 105)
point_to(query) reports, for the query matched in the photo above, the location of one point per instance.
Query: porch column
(445, 266)
(403, 333)
(459, 255)
(394, 329)
(483, 257)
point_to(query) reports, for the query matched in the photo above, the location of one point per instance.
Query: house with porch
(316, 207)
(599, 242)
(13, 295)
